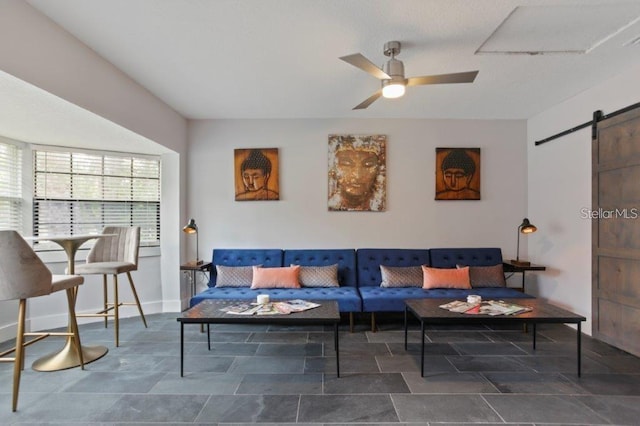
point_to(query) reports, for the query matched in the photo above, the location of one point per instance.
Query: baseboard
(8, 332)
(46, 322)
(125, 312)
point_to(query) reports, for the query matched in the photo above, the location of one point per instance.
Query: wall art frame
(457, 174)
(257, 173)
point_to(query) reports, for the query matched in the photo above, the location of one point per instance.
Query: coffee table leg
(181, 349)
(579, 340)
(533, 328)
(208, 337)
(335, 338)
(422, 349)
(405, 328)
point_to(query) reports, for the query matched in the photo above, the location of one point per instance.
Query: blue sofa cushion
(347, 297)
(244, 257)
(345, 258)
(369, 261)
(450, 257)
(378, 299)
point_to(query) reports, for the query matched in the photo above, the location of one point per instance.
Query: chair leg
(135, 295)
(71, 301)
(116, 306)
(105, 299)
(18, 362)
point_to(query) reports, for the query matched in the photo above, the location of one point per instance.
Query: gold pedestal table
(68, 356)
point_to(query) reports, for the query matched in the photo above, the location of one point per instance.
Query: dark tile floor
(279, 375)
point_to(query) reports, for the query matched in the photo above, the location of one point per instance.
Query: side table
(513, 268)
(203, 267)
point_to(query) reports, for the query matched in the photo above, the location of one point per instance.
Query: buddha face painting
(357, 173)
(457, 173)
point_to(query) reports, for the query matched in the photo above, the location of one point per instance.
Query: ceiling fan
(392, 75)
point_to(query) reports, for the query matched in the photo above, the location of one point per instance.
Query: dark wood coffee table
(211, 312)
(428, 311)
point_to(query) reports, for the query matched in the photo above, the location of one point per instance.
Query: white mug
(474, 298)
(263, 299)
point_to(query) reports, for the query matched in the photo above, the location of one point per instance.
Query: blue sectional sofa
(359, 276)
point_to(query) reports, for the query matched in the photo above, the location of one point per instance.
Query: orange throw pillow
(445, 278)
(286, 277)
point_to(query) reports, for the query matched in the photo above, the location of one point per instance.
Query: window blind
(10, 187)
(82, 192)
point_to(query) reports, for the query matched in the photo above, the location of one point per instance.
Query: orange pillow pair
(286, 277)
(445, 278)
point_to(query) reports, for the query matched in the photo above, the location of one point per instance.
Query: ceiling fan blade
(458, 77)
(371, 99)
(359, 61)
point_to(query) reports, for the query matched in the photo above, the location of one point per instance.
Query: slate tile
(444, 408)
(381, 383)
(250, 409)
(543, 409)
(280, 384)
(154, 408)
(448, 382)
(346, 409)
(533, 383)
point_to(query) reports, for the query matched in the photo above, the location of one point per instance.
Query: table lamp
(192, 228)
(525, 227)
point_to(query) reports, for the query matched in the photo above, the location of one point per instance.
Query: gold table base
(68, 357)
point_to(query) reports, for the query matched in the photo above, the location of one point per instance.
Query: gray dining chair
(114, 255)
(22, 276)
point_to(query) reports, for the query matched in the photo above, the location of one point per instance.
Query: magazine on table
(489, 307)
(500, 307)
(459, 306)
(299, 305)
(241, 309)
(271, 308)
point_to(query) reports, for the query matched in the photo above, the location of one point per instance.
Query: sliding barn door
(616, 231)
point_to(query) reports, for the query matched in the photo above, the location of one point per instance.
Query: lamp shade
(191, 227)
(527, 227)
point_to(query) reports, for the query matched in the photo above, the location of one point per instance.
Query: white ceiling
(279, 58)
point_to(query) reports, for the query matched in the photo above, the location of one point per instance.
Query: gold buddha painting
(256, 174)
(457, 173)
(357, 173)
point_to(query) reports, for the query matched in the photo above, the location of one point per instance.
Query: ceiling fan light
(393, 90)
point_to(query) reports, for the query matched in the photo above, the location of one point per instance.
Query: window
(10, 186)
(81, 192)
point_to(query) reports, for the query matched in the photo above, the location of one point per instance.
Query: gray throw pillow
(234, 276)
(401, 276)
(319, 276)
(486, 276)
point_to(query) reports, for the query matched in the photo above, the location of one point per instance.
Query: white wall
(38, 51)
(560, 186)
(413, 218)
